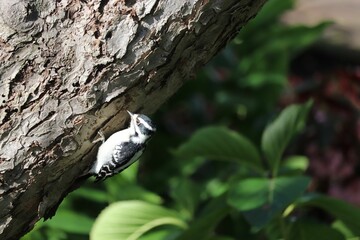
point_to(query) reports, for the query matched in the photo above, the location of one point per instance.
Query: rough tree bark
(69, 68)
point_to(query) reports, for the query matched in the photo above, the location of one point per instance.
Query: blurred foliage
(218, 167)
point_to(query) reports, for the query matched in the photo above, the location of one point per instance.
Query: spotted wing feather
(123, 156)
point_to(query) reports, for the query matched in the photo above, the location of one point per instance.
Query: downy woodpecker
(123, 148)
(115, 154)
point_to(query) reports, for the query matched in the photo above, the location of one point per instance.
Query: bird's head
(142, 125)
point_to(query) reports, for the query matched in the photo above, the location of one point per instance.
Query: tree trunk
(69, 68)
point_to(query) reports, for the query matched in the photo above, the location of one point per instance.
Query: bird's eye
(137, 122)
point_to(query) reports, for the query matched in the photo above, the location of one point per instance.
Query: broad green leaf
(189, 167)
(50, 234)
(310, 230)
(92, 194)
(216, 187)
(278, 134)
(300, 163)
(46, 233)
(129, 220)
(35, 232)
(187, 195)
(275, 228)
(347, 213)
(70, 222)
(220, 238)
(204, 225)
(296, 38)
(341, 227)
(259, 79)
(219, 143)
(55, 234)
(129, 190)
(130, 173)
(260, 199)
(249, 193)
(294, 165)
(161, 234)
(268, 14)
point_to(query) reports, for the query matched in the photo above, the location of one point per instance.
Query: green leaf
(216, 187)
(46, 233)
(129, 190)
(70, 222)
(55, 234)
(259, 79)
(249, 193)
(219, 143)
(220, 238)
(300, 163)
(92, 194)
(131, 172)
(35, 233)
(271, 11)
(163, 234)
(296, 38)
(348, 214)
(278, 134)
(310, 230)
(341, 227)
(129, 220)
(204, 225)
(186, 193)
(260, 199)
(294, 165)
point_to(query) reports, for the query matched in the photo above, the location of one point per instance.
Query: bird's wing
(123, 156)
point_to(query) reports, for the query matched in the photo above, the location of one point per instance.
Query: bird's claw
(101, 138)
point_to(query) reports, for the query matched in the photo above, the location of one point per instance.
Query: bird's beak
(130, 113)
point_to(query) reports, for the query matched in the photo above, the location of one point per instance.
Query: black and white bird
(115, 154)
(123, 148)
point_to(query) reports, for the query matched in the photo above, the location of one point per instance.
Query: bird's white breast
(106, 150)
